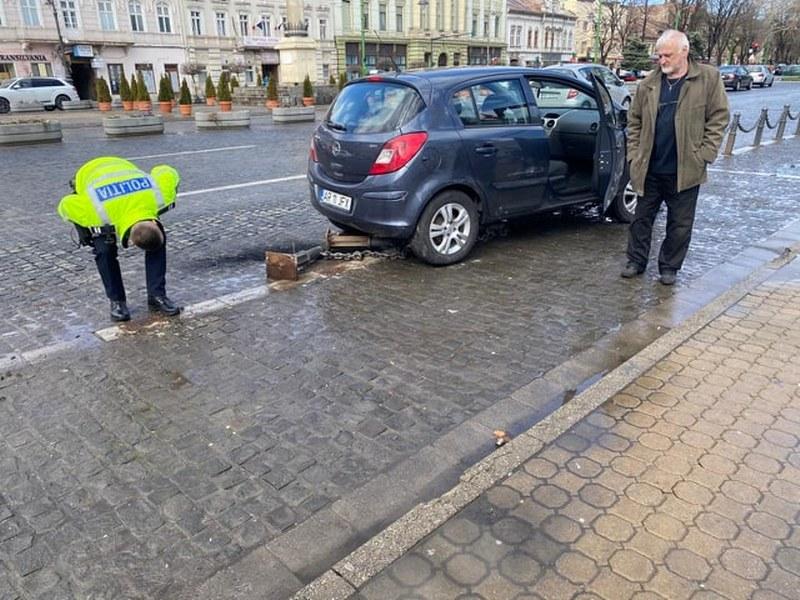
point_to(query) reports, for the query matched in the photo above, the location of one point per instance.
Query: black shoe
(668, 277)
(163, 305)
(119, 311)
(631, 270)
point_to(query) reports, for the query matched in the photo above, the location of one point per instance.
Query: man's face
(671, 58)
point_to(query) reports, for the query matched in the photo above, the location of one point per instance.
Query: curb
(347, 576)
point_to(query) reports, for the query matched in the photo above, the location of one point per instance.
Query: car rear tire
(623, 206)
(5, 106)
(447, 230)
(736, 86)
(49, 108)
(60, 101)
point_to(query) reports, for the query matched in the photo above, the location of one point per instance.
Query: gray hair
(673, 35)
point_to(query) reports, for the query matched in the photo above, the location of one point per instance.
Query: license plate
(334, 199)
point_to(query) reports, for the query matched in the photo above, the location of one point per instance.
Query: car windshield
(727, 69)
(374, 107)
(754, 69)
(7, 83)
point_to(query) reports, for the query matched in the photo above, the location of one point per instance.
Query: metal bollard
(762, 120)
(782, 123)
(734, 127)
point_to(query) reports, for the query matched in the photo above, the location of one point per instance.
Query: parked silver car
(27, 92)
(762, 76)
(619, 91)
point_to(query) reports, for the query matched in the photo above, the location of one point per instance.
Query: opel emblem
(336, 149)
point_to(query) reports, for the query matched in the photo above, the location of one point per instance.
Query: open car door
(609, 149)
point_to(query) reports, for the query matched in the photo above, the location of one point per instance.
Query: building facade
(407, 34)
(540, 33)
(182, 38)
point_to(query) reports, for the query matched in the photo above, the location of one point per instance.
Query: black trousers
(104, 248)
(680, 220)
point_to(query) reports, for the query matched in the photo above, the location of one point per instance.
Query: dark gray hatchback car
(430, 157)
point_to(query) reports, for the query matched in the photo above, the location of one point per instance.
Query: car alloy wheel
(623, 206)
(736, 86)
(447, 229)
(60, 101)
(5, 106)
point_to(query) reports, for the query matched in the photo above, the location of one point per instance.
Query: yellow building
(406, 34)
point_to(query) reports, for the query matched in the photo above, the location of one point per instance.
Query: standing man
(115, 201)
(675, 128)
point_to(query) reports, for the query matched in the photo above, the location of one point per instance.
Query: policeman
(115, 201)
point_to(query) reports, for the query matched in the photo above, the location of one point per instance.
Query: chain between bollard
(396, 254)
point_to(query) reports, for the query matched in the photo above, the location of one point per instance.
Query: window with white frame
(196, 20)
(382, 17)
(30, 13)
(453, 16)
(398, 18)
(2, 17)
(244, 24)
(265, 25)
(440, 15)
(70, 13)
(164, 18)
(136, 14)
(323, 29)
(220, 19)
(105, 14)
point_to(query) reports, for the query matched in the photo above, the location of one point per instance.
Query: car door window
(559, 95)
(24, 84)
(499, 102)
(40, 83)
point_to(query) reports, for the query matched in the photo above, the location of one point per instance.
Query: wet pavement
(228, 442)
(684, 485)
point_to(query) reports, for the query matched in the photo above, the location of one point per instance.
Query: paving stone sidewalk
(686, 484)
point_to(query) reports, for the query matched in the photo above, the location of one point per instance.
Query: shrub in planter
(142, 95)
(342, 80)
(332, 80)
(103, 95)
(134, 91)
(185, 101)
(125, 94)
(165, 95)
(272, 92)
(234, 82)
(224, 94)
(259, 81)
(211, 92)
(308, 92)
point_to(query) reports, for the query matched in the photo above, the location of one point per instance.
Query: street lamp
(60, 48)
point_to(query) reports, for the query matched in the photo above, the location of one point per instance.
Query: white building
(116, 38)
(540, 33)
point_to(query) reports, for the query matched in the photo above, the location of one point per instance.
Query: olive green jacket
(700, 120)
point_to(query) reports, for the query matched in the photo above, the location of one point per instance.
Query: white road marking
(241, 185)
(759, 173)
(30, 357)
(191, 152)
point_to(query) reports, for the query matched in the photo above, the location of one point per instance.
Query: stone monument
(297, 50)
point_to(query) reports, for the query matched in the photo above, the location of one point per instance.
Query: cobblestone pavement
(684, 485)
(142, 467)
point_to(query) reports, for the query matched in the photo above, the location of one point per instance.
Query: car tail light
(396, 153)
(312, 152)
(572, 94)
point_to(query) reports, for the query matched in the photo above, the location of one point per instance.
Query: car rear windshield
(374, 107)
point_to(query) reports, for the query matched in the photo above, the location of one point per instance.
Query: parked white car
(27, 92)
(762, 76)
(616, 87)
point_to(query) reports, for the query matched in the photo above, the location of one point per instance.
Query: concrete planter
(133, 125)
(293, 114)
(32, 132)
(77, 105)
(222, 120)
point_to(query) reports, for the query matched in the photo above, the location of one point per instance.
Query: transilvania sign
(23, 57)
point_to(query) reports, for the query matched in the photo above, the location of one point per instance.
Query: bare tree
(721, 19)
(783, 40)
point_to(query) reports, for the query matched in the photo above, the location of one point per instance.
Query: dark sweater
(664, 158)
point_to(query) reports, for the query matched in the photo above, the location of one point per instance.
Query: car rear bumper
(383, 211)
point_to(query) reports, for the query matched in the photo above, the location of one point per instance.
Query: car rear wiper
(335, 125)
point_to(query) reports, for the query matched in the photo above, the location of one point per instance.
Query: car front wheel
(447, 230)
(736, 86)
(60, 101)
(623, 206)
(5, 106)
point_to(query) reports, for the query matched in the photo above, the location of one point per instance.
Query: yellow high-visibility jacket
(113, 191)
